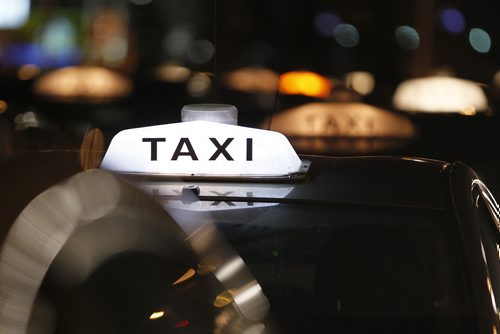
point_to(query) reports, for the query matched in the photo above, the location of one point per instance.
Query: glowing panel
(347, 120)
(201, 148)
(440, 94)
(14, 13)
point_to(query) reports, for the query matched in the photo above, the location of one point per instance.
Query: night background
(158, 55)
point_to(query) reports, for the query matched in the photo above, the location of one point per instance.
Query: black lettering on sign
(190, 151)
(249, 149)
(221, 149)
(154, 146)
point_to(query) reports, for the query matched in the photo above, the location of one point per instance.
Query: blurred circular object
(28, 72)
(407, 38)
(201, 51)
(346, 35)
(361, 82)
(325, 22)
(91, 84)
(3, 106)
(480, 40)
(199, 84)
(452, 20)
(440, 95)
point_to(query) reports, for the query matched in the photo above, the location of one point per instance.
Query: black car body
(348, 245)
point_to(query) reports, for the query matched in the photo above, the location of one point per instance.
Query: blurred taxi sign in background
(343, 127)
(440, 94)
(83, 84)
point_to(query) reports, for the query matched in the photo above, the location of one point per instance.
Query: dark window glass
(352, 270)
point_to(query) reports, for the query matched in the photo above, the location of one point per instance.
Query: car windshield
(351, 271)
(339, 270)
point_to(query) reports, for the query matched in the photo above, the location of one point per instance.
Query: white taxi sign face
(201, 148)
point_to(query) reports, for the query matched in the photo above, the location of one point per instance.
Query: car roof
(390, 181)
(373, 181)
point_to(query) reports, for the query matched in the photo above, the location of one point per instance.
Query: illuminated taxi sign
(201, 148)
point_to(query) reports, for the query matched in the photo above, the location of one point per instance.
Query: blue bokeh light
(346, 35)
(452, 20)
(325, 23)
(407, 37)
(480, 40)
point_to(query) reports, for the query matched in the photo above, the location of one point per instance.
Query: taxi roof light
(219, 113)
(197, 148)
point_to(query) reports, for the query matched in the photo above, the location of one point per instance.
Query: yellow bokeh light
(252, 80)
(28, 71)
(156, 315)
(3, 106)
(305, 83)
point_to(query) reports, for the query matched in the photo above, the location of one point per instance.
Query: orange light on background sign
(305, 83)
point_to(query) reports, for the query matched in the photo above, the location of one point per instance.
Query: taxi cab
(204, 226)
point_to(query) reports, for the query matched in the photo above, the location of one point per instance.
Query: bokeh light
(325, 23)
(452, 20)
(108, 39)
(28, 72)
(177, 42)
(407, 37)
(440, 95)
(360, 81)
(496, 79)
(173, 73)
(3, 106)
(252, 80)
(156, 315)
(58, 36)
(480, 40)
(14, 13)
(199, 84)
(305, 83)
(201, 51)
(346, 35)
(115, 49)
(83, 84)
